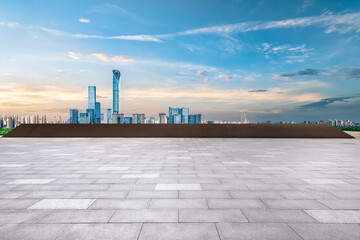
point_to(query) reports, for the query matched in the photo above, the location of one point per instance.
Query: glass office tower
(97, 112)
(162, 118)
(91, 115)
(108, 115)
(74, 113)
(92, 97)
(116, 91)
(172, 112)
(184, 115)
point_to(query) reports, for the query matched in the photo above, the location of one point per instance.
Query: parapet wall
(180, 130)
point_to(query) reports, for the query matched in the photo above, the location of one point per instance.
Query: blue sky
(278, 60)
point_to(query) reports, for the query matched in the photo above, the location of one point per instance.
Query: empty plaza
(179, 188)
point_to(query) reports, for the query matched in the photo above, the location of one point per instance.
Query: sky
(278, 60)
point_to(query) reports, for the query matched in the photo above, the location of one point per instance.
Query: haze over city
(276, 60)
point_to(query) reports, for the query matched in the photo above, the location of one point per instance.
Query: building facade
(74, 113)
(116, 91)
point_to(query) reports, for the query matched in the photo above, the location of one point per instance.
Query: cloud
(206, 80)
(302, 73)
(258, 91)
(74, 55)
(304, 6)
(84, 20)
(202, 73)
(142, 37)
(354, 74)
(228, 78)
(324, 102)
(341, 23)
(10, 24)
(109, 8)
(121, 59)
(290, 53)
(101, 56)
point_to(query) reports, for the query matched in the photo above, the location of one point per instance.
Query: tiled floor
(179, 189)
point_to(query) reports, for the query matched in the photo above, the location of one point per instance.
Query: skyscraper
(116, 91)
(97, 112)
(91, 115)
(162, 118)
(172, 112)
(184, 115)
(108, 115)
(91, 97)
(74, 113)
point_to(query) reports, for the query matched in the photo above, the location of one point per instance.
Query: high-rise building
(195, 118)
(116, 91)
(74, 113)
(97, 112)
(1, 123)
(184, 115)
(152, 120)
(172, 112)
(176, 119)
(43, 119)
(84, 118)
(102, 118)
(91, 97)
(108, 115)
(135, 118)
(91, 115)
(162, 118)
(117, 118)
(128, 120)
(10, 122)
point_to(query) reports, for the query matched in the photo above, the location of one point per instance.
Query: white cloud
(10, 24)
(101, 56)
(84, 20)
(74, 55)
(121, 59)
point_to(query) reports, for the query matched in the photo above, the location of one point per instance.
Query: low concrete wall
(179, 130)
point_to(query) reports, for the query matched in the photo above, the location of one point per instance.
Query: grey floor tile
(6, 204)
(145, 215)
(32, 181)
(335, 216)
(211, 215)
(327, 231)
(152, 194)
(178, 203)
(78, 216)
(22, 216)
(342, 204)
(31, 231)
(178, 231)
(50, 194)
(12, 194)
(294, 204)
(182, 186)
(235, 203)
(277, 216)
(260, 231)
(101, 194)
(256, 194)
(101, 231)
(204, 194)
(120, 204)
(63, 204)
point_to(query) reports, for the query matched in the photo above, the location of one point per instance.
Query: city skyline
(276, 60)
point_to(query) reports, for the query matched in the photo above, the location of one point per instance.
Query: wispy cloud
(10, 24)
(302, 73)
(110, 8)
(74, 55)
(101, 56)
(306, 4)
(258, 91)
(326, 101)
(288, 52)
(121, 59)
(84, 20)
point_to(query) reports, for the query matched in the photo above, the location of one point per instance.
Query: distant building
(184, 112)
(128, 120)
(102, 118)
(91, 97)
(151, 120)
(195, 119)
(74, 116)
(84, 118)
(1, 123)
(91, 115)
(108, 115)
(117, 118)
(162, 118)
(176, 119)
(97, 113)
(116, 91)
(43, 119)
(10, 122)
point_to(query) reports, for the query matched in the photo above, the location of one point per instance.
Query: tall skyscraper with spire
(116, 91)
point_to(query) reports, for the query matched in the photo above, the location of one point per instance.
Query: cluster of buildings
(93, 113)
